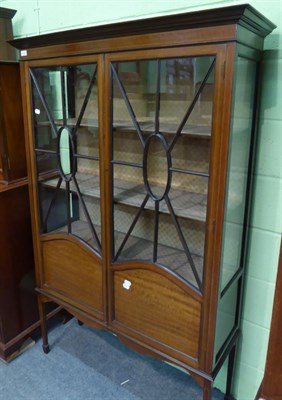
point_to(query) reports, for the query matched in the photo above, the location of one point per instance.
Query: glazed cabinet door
(66, 174)
(161, 112)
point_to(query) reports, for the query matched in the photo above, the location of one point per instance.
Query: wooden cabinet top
(239, 15)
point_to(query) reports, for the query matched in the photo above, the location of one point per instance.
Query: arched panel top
(74, 240)
(167, 273)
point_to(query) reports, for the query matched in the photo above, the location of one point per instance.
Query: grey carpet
(90, 365)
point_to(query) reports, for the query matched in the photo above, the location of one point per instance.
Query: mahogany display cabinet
(140, 137)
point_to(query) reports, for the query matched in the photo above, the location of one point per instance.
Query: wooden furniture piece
(18, 303)
(12, 155)
(140, 135)
(12, 152)
(7, 52)
(271, 387)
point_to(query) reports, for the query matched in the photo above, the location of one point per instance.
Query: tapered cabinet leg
(207, 390)
(43, 326)
(231, 362)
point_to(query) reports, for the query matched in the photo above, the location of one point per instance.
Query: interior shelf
(147, 126)
(185, 204)
(166, 127)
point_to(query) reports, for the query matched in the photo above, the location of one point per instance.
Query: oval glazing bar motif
(158, 138)
(175, 193)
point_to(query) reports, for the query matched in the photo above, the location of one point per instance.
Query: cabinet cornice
(244, 15)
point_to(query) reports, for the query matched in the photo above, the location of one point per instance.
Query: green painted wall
(43, 16)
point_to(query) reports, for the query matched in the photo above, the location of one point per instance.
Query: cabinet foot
(46, 348)
(43, 327)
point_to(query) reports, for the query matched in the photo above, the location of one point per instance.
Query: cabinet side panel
(226, 316)
(155, 307)
(238, 168)
(232, 261)
(73, 273)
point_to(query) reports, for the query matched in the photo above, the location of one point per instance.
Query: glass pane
(128, 185)
(80, 225)
(237, 173)
(127, 106)
(191, 154)
(161, 129)
(128, 196)
(188, 196)
(86, 95)
(87, 141)
(226, 317)
(86, 110)
(139, 244)
(66, 110)
(187, 87)
(63, 95)
(171, 252)
(48, 99)
(44, 137)
(133, 152)
(53, 204)
(133, 81)
(44, 132)
(46, 163)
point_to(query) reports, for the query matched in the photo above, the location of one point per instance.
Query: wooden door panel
(154, 306)
(73, 271)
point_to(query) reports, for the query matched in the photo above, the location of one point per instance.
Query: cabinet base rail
(203, 379)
